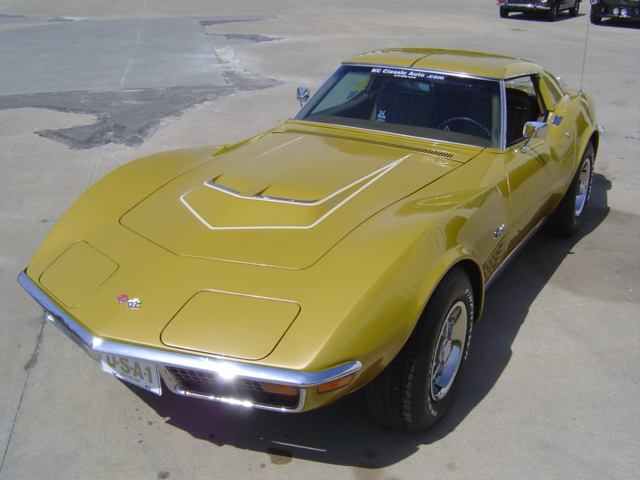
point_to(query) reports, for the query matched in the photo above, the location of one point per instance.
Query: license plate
(137, 372)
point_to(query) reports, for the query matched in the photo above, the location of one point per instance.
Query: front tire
(552, 14)
(569, 214)
(418, 387)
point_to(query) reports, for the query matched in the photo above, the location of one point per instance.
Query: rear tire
(504, 13)
(418, 387)
(552, 14)
(573, 11)
(569, 214)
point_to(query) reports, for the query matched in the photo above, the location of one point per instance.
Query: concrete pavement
(552, 389)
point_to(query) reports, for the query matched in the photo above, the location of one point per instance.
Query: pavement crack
(241, 38)
(34, 356)
(30, 364)
(134, 51)
(238, 19)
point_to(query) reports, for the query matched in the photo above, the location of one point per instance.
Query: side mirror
(534, 130)
(303, 95)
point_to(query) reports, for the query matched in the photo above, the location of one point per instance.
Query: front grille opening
(240, 389)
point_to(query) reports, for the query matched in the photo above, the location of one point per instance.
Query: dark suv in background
(618, 9)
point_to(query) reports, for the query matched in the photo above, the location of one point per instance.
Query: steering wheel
(445, 125)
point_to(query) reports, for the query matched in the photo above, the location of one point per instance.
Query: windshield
(410, 102)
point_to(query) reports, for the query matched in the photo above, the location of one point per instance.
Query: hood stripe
(372, 177)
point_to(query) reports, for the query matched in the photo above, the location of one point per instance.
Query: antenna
(584, 57)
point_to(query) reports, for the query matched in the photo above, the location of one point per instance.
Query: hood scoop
(261, 195)
(275, 206)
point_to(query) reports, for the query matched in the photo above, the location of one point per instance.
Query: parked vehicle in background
(628, 10)
(550, 8)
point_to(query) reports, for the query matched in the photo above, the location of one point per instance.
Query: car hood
(285, 198)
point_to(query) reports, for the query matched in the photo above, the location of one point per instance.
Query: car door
(536, 167)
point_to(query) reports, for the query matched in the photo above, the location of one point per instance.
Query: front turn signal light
(280, 390)
(341, 382)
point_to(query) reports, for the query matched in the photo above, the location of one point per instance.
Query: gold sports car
(349, 247)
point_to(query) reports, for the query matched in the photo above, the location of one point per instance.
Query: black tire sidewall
(587, 157)
(563, 220)
(427, 409)
(573, 11)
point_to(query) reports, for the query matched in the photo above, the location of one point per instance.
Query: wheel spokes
(583, 188)
(449, 349)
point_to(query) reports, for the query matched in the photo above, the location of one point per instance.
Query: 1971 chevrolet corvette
(349, 247)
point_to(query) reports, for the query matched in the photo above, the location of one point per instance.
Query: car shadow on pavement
(343, 433)
(542, 16)
(612, 22)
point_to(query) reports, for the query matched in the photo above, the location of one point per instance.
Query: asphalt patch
(128, 116)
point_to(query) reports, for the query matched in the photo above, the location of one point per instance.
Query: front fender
(114, 194)
(587, 127)
(377, 281)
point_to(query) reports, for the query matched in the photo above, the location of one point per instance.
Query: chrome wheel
(418, 387)
(449, 348)
(583, 186)
(569, 214)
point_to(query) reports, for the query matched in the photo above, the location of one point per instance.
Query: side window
(553, 88)
(523, 105)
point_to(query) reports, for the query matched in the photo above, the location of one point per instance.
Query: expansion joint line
(27, 367)
(135, 49)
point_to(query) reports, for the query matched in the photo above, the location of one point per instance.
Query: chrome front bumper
(168, 361)
(526, 7)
